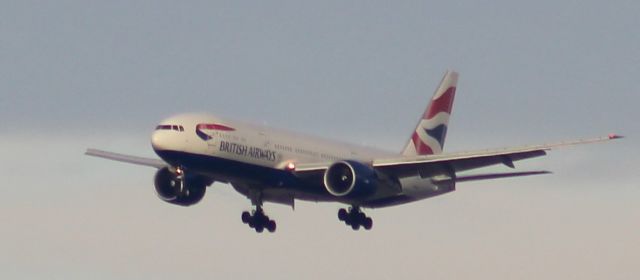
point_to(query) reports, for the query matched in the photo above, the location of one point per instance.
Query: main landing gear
(355, 218)
(258, 220)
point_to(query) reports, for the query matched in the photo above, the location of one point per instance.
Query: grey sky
(75, 74)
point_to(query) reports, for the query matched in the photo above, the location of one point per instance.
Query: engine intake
(184, 190)
(350, 179)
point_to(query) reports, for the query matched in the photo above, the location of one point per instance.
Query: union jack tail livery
(428, 138)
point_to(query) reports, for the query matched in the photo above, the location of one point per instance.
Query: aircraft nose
(160, 141)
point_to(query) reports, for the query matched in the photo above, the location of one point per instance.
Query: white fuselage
(256, 157)
(252, 144)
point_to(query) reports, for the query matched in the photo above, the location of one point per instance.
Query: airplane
(278, 166)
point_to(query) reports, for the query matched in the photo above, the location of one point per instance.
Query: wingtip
(537, 172)
(613, 136)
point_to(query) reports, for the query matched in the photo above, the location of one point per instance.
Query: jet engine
(350, 179)
(183, 190)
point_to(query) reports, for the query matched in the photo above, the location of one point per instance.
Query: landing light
(179, 171)
(290, 166)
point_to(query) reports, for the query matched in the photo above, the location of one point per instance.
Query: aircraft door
(264, 140)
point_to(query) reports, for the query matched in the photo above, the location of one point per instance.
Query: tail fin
(428, 138)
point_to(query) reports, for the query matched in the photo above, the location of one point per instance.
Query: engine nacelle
(350, 179)
(182, 190)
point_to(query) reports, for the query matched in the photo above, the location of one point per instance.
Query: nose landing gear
(355, 218)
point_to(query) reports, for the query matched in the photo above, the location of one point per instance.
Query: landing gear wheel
(342, 214)
(258, 220)
(259, 229)
(246, 217)
(271, 226)
(355, 218)
(368, 223)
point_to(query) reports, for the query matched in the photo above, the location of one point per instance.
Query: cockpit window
(170, 127)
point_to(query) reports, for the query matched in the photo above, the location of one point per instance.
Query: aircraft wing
(477, 159)
(488, 176)
(152, 162)
(463, 161)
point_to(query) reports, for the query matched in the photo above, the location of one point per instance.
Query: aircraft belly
(421, 188)
(280, 186)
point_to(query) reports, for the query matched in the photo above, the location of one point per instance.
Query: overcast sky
(78, 74)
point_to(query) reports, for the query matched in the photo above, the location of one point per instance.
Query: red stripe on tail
(442, 104)
(421, 148)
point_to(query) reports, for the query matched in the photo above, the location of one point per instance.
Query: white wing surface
(476, 159)
(462, 161)
(152, 162)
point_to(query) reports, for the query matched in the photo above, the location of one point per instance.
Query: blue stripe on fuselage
(240, 171)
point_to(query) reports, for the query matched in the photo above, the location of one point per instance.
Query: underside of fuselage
(274, 185)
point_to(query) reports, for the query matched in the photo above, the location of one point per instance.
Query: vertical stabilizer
(428, 137)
